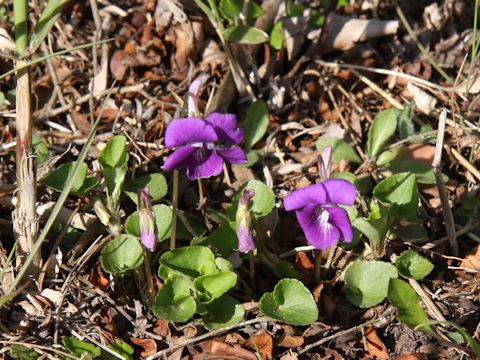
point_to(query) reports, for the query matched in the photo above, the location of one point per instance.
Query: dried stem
(251, 258)
(437, 168)
(174, 210)
(318, 265)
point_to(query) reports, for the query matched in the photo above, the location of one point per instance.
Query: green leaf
(245, 35)
(405, 123)
(156, 184)
(423, 172)
(264, 199)
(21, 352)
(277, 37)
(290, 302)
(256, 123)
(469, 339)
(285, 269)
(381, 131)
(211, 287)
(163, 219)
(408, 304)
(374, 229)
(254, 10)
(192, 261)
(340, 149)
(399, 189)
(367, 282)
(230, 9)
(225, 239)
(121, 348)
(388, 155)
(122, 254)
(80, 347)
(294, 9)
(41, 149)
(222, 312)
(49, 15)
(412, 265)
(114, 162)
(414, 232)
(58, 177)
(174, 300)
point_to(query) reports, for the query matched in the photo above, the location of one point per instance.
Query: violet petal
(234, 155)
(187, 131)
(314, 221)
(340, 191)
(178, 158)
(226, 127)
(339, 218)
(245, 239)
(204, 163)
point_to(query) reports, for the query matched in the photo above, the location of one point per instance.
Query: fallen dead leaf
(290, 341)
(98, 278)
(304, 266)
(162, 328)
(213, 349)
(149, 346)
(263, 342)
(420, 152)
(472, 260)
(375, 345)
(413, 356)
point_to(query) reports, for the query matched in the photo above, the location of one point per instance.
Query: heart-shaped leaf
(256, 123)
(222, 312)
(367, 282)
(211, 287)
(156, 184)
(412, 265)
(264, 199)
(174, 300)
(399, 189)
(163, 219)
(192, 261)
(122, 254)
(290, 302)
(57, 179)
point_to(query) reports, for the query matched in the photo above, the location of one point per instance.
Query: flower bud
(325, 163)
(193, 93)
(245, 223)
(148, 226)
(101, 211)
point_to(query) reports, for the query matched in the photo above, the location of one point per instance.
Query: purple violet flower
(146, 217)
(318, 213)
(244, 222)
(204, 145)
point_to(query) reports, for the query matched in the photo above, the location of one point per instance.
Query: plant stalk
(25, 221)
(251, 258)
(174, 210)
(318, 265)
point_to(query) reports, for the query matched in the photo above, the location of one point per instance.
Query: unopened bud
(325, 163)
(101, 211)
(148, 226)
(245, 222)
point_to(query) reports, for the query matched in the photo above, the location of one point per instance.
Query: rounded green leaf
(400, 189)
(388, 155)
(222, 312)
(58, 178)
(114, 154)
(174, 300)
(340, 149)
(192, 261)
(211, 287)
(122, 254)
(245, 35)
(163, 219)
(156, 184)
(412, 265)
(224, 239)
(264, 199)
(408, 304)
(382, 129)
(367, 282)
(423, 172)
(256, 123)
(290, 302)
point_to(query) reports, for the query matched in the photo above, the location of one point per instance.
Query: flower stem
(201, 195)
(251, 258)
(318, 265)
(328, 263)
(148, 272)
(174, 210)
